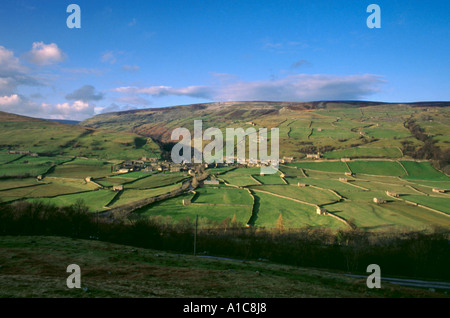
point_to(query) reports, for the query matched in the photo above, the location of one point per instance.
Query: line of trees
(429, 151)
(412, 254)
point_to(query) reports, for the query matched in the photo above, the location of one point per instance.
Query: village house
(348, 173)
(314, 155)
(301, 184)
(147, 169)
(438, 190)
(186, 201)
(88, 179)
(343, 179)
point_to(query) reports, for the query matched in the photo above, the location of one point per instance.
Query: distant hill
(331, 127)
(64, 121)
(53, 138)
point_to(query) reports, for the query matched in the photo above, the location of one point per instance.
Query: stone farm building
(321, 211)
(314, 155)
(379, 200)
(118, 187)
(392, 194)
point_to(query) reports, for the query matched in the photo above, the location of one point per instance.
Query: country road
(410, 282)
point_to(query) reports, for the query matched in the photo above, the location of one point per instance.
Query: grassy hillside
(33, 266)
(337, 129)
(51, 138)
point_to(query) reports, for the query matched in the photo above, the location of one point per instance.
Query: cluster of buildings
(154, 164)
(23, 152)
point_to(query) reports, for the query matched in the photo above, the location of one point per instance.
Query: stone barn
(321, 211)
(379, 200)
(118, 187)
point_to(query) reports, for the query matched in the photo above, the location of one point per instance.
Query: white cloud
(9, 101)
(300, 87)
(45, 54)
(13, 73)
(78, 110)
(9, 64)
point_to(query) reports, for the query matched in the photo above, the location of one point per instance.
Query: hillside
(49, 138)
(335, 128)
(33, 266)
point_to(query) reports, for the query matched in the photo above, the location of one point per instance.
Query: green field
(384, 168)
(352, 201)
(423, 171)
(157, 180)
(23, 170)
(332, 166)
(438, 203)
(5, 157)
(175, 209)
(82, 168)
(132, 195)
(294, 214)
(360, 152)
(68, 154)
(95, 200)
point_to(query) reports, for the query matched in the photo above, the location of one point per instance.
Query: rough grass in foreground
(34, 266)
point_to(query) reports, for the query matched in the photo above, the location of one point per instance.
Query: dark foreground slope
(36, 267)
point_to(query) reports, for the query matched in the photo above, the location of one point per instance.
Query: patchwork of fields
(287, 199)
(64, 182)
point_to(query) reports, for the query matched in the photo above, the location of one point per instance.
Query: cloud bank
(293, 88)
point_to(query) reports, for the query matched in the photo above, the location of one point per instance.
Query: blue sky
(140, 54)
